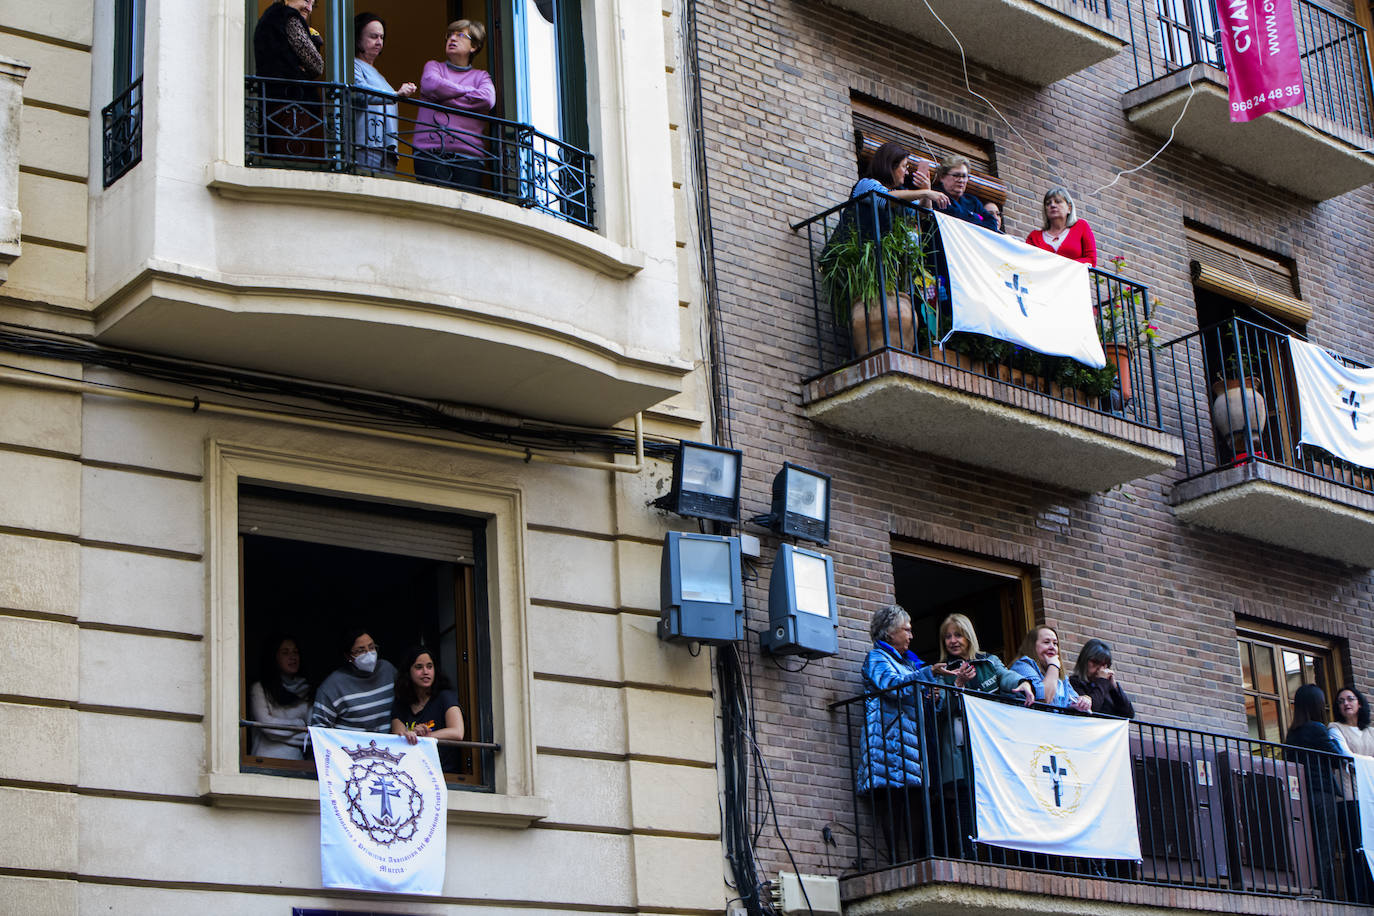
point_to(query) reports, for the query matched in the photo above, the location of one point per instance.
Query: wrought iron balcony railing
(1237, 402)
(339, 128)
(1213, 811)
(1170, 35)
(122, 130)
(877, 250)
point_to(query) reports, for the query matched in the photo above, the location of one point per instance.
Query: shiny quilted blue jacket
(890, 752)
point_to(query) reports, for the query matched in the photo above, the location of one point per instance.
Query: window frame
(515, 801)
(1279, 639)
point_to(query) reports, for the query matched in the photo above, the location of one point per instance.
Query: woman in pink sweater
(450, 143)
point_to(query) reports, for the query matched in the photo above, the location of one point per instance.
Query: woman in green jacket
(962, 665)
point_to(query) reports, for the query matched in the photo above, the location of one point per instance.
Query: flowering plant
(1124, 305)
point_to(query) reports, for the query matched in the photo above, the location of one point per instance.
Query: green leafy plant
(859, 268)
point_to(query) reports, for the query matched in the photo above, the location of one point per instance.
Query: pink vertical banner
(1263, 65)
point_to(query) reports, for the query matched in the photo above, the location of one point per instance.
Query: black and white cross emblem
(1055, 772)
(1014, 284)
(1354, 401)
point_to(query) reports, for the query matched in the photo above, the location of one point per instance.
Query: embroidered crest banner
(382, 812)
(1335, 403)
(1263, 61)
(1052, 783)
(1004, 288)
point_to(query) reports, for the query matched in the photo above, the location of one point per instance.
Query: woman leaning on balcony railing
(375, 120)
(891, 172)
(1040, 665)
(286, 48)
(891, 770)
(450, 146)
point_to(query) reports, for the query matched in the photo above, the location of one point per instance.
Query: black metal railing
(122, 132)
(1101, 7)
(1237, 402)
(1213, 811)
(1174, 34)
(879, 280)
(334, 127)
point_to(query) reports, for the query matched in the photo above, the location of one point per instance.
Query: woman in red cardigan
(1064, 232)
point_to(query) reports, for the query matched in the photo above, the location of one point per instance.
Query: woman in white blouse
(280, 697)
(1350, 724)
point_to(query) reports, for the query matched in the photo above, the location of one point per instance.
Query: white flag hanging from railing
(1335, 402)
(1364, 789)
(1004, 288)
(383, 812)
(1052, 783)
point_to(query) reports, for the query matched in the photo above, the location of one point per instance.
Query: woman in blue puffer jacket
(891, 767)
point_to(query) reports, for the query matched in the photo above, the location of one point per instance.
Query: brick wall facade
(776, 80)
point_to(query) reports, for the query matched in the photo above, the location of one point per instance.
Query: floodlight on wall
(705, 483)
(802, 616)
(702, 589)
(801, 504)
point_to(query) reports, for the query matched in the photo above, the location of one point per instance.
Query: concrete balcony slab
(1039, 41)
(1282, 506)
(1330, 157)
(927, 406)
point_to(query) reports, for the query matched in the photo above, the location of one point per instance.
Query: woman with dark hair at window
(1093, 678)
(1350, 726)
(891, 172)
(1310, 744)
(450, 143)
(280, 696)
(285, 47)
(375, 134)
(358, 694)
(424, 704)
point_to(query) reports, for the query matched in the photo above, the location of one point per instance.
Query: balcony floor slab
(1266, 147)
(924, 405)
(953, 888)
(1039, 41)
(1282, 506)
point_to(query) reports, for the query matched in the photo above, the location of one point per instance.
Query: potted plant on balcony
(861, 273)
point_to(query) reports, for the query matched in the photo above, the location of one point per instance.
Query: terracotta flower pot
(1120, 355)
(866, 324)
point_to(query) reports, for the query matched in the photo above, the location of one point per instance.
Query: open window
(1274, 663)
(314, 565)
(122, 119)
(932, 582)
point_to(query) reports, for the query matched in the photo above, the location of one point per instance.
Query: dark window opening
(312, 566)
(931, 584)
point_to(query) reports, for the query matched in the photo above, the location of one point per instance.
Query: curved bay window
(523, 139)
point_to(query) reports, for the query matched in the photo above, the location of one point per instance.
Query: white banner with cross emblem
(383, 812)
(1004, 288)
(1335, 402)
(1051, 783)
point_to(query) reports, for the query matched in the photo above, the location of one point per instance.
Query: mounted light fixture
(802, 615)
(706, 482)
(801, 504)
(701, 586)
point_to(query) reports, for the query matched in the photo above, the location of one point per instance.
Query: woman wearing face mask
(357, 696)
(280, 696)
(1039, 664)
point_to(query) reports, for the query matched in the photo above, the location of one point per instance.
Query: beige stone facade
(121, 610)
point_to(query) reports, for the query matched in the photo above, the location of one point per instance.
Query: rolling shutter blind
(1245, 275)
(361, 525)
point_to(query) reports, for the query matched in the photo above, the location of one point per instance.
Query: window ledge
(282, 794)
(383, 196)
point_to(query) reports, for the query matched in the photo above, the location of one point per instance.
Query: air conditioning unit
(1178, 799)
(1270, 837)
(821, 897)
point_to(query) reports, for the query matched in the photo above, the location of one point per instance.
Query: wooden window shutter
(875, 125)
(1246, 275)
